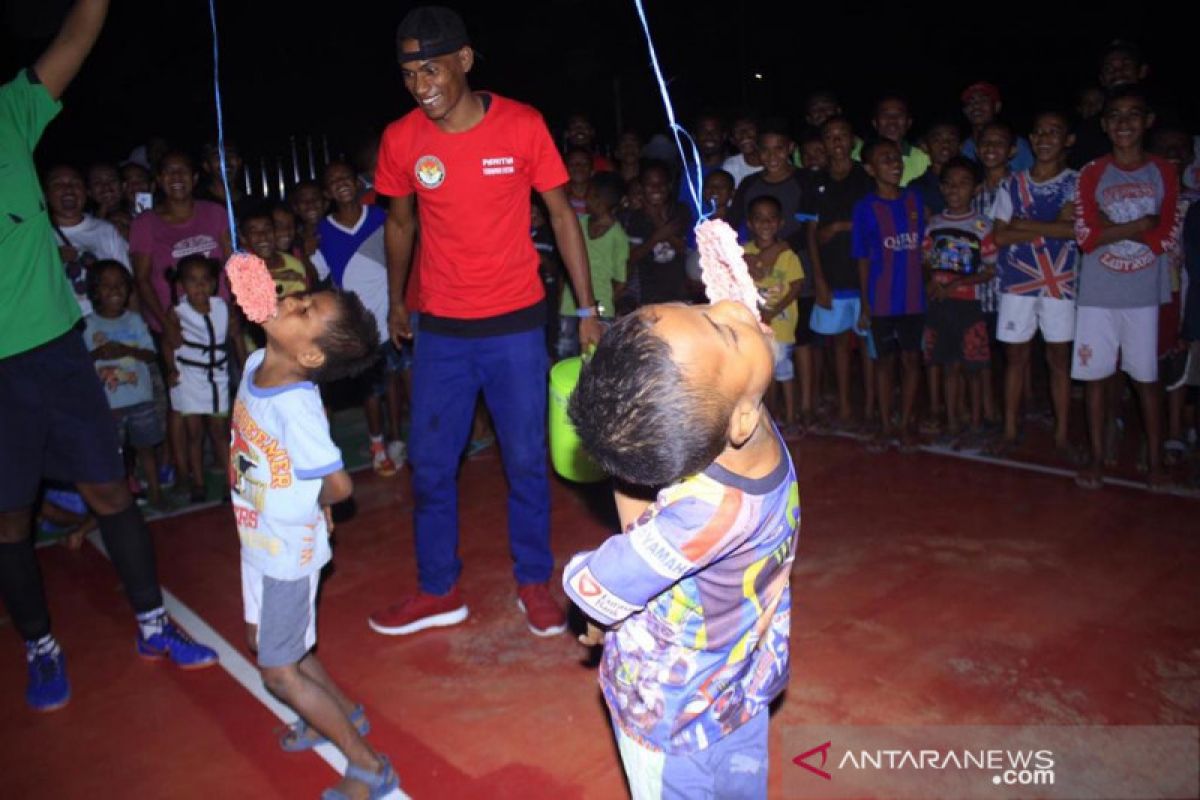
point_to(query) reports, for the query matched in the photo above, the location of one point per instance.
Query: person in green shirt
(892, 120)
(608, 257)
(57, 422)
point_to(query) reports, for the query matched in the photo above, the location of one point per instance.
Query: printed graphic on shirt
(699, 585)
(430, 171)
(1126, 202)
(499, 165)
(955, 251)
(1043, 267)
(201, 243)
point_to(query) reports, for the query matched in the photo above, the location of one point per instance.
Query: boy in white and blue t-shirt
(352, 251)
(1034, 213)
(285, 472)
(122, 349)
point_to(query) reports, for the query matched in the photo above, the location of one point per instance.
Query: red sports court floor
(927, 590)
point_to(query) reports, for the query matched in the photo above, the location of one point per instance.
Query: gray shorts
(285, 613)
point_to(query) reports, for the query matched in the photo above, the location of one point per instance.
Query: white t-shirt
(280, 451)
(739, 169)
(98, 239)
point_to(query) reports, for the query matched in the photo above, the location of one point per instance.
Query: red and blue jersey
(889, 234)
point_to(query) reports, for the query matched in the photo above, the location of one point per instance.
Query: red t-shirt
(476, 258)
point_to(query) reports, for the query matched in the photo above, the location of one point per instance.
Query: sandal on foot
(1158, 482)
(1003, 446)
(380, 784)
(878, 444)
(1073, 455)
(300, 736)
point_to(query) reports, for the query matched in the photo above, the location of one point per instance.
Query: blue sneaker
(166, 476)
(49, 689)
(173, 643)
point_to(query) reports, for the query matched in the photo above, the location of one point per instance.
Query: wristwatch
(591, 311)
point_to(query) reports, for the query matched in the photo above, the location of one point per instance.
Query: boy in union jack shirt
(1034, 228)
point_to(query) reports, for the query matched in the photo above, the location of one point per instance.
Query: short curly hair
(350, 342)
(637, 412)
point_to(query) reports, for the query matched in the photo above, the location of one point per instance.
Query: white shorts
(195, 394)
(1021, 316)
(1101, 334)
(285, 613)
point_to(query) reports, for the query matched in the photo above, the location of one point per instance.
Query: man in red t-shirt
(463, 165)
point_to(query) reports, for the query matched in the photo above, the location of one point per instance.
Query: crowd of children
(947, 257)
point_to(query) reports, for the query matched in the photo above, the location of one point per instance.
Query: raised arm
(59, 65)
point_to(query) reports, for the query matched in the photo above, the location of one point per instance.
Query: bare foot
(1157, 480)
(74, 539)
(1090, 477)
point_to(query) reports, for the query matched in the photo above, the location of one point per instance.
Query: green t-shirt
(608, 257)
(916, 161)
(36, 301)
(786, 270)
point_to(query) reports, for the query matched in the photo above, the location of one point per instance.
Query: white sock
(151, 623)
(45, 646)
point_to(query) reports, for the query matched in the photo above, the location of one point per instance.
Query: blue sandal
(300, 736)
(380, 783)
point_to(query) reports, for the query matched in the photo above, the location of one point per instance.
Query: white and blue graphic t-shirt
(1043, 267)
(280, 451)
(357, 261)
(126, 380)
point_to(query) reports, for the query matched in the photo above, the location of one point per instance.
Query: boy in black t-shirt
(838, 300)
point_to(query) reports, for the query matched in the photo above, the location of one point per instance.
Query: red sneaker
(543, 614)
(418, 612)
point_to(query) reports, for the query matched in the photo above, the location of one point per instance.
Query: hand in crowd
(823, 294)
(399, 326)
(110, 351)
(864, 319)
(593, 637)
(590, 331)
(825, 233)
(172, 330)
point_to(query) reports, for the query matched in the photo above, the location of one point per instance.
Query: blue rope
(212, 13)
(692, 176)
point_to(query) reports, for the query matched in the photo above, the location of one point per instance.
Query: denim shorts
(139, 424)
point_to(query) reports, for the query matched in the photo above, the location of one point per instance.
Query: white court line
(240, 669)
(1177, 491)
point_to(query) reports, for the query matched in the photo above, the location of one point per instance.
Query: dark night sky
(332, 69)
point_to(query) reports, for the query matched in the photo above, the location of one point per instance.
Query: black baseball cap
(438, 30)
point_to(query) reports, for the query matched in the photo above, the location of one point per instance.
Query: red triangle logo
(801, 761)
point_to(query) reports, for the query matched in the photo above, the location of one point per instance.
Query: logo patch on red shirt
(430, 171)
